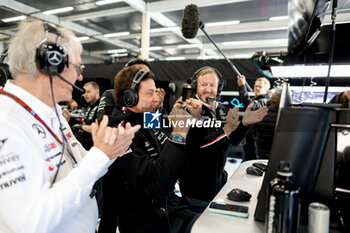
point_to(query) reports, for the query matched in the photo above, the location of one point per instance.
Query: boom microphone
(190, 21)
(82, 91)
(190, 25)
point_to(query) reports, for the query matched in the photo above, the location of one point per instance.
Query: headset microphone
(82, 91)
(190, 25)
(208, 99)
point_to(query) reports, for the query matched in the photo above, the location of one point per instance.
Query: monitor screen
(313, 94)
(302, 138)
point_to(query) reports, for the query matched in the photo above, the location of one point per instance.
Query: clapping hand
(113, 141)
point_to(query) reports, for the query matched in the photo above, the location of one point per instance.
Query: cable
(60, 127)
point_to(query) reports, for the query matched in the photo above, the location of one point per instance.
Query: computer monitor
(313, 94)
(303, 136)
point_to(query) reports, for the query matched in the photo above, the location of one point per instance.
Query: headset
(4, 69)
(194, 79)
(138, 61)
(51, 57)
(130, 96)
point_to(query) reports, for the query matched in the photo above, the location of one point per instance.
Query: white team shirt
(29, 156)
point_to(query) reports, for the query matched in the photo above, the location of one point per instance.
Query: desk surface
(212, 222)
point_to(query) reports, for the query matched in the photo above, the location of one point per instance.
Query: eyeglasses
(79, 68)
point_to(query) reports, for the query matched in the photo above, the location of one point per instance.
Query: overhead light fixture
(243, 55)
(17, 18)
(59, 10)
(117, 51)
(278, 18)
(208, 57)
(104, 2)
(175, 58)
(223, 23)
(298, 71)
(155, 48)
(187, 46)
(83, 38)
(164, 29)
(282, 41)
(119, 55)
(117, 34)
(243, 42)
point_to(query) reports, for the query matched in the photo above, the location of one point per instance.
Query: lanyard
(31, 111)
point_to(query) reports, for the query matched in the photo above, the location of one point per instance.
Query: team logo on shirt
(40, 130)
(50, 146)
(151, 120)
(235, 102)
(68, 135)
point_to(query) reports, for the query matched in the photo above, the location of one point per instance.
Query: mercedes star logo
(40, 130)
(54, 58)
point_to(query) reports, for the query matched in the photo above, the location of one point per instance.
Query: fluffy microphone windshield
(190, 21)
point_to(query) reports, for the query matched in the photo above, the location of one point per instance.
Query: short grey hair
(22, 48)
(265, 81)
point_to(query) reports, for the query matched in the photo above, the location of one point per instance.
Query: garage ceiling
(113, 31)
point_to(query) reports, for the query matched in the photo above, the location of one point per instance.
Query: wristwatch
(177, 138)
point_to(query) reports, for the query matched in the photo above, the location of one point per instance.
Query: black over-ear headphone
(130, 96)
(4, 69)
(194, 79)
(51, 57)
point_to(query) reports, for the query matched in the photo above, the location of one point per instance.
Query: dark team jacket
(138, 183)
(90, 117)
(107, 104)
(264, 132)
(259, 101)
(250, 148)
(205, 175)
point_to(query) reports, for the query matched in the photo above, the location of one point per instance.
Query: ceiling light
(243, 55)
(310, 71)
(223, 23)
(22, 17)
(282, 41)
(83, 38)
(208, 57)
(119, 55)
(104, 2)
(278, 18)
(117, 51)
(165, 29)
(175, 58)
(236, 42)
(186, 46)
(155, 48)
(116, 34)
(59, 10)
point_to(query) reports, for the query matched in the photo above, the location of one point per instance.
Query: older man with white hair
(46, 177)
